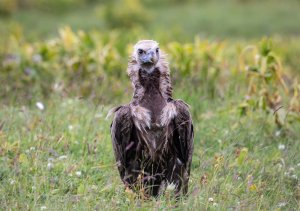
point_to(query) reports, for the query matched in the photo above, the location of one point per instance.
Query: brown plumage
(152, 135)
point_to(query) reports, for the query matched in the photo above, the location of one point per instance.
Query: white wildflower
(281, 204)
(294, 176)
(32, 148)
(62, 157)
(56, 86)
(281, 146)
(11, 181)
(78, 173)
(215, 204)
(210, 199)
(94, 187)
(43, 207)
(277, 133)
(50, 166)
(171, 187)
(70, 127)
(40, 105)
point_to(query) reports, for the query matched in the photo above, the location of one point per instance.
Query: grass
(61, 158)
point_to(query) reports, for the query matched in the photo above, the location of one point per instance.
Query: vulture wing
(125, 144)
(183, 139)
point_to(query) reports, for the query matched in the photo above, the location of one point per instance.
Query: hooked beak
(148, 58)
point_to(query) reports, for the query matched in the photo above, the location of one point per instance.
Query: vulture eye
(140, 51)
(157, 49)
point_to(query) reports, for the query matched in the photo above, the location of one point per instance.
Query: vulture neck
(150, 86)
(149, 90)
(152, 96)
(150, 81)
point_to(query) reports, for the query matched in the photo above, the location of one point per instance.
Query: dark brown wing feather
(125, 145)
(180, 148)
(183, 137)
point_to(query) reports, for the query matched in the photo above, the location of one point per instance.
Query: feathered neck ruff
(162, 66)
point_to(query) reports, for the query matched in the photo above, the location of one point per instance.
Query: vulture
(152, 136)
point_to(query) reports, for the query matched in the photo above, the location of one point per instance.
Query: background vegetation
(63, 66)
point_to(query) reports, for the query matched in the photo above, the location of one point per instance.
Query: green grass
(73, 136)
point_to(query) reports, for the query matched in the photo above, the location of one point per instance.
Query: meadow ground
(61, 158)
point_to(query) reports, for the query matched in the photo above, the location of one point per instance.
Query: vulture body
(152, 136)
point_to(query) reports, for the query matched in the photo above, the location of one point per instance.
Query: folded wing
(182, 142)
(125, 145)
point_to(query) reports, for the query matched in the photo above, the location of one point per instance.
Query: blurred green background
(177, 20)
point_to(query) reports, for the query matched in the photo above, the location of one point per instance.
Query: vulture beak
(148, 58)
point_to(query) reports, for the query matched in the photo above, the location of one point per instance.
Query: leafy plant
(267, 89)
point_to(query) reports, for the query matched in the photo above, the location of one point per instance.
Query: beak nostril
(151, 56)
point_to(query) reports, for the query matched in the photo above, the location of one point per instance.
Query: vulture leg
(125, 145)
(182, 144)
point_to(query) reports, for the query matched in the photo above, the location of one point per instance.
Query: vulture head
(146, 53)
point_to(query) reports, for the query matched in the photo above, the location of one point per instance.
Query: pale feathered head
(146, 53)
